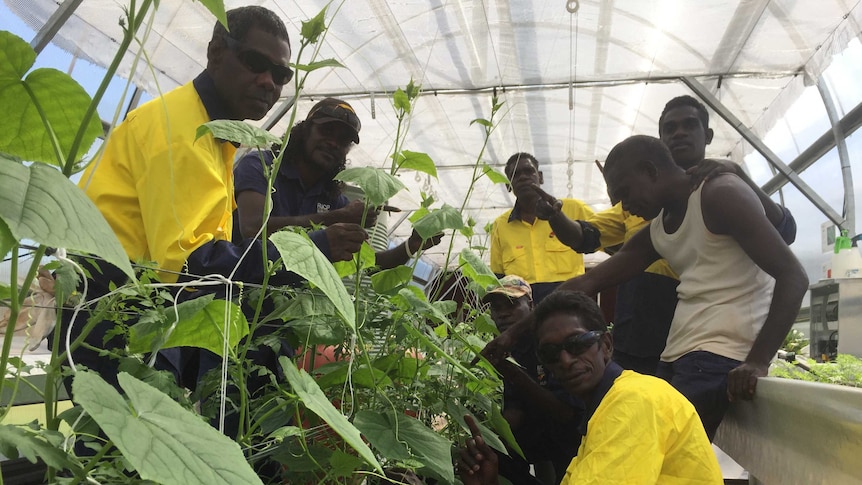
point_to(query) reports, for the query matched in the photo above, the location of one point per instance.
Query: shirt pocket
(559, 258)
(515, 261)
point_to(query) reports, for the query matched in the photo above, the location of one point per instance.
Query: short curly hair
(573, 303)
(686, 100)
(243, 19)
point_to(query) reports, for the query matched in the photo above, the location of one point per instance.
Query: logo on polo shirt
(321, 207)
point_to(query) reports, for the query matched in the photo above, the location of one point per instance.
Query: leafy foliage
(164, 442)
(38, 203)
(42, 110)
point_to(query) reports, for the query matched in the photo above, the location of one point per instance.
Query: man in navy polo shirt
(305, 192)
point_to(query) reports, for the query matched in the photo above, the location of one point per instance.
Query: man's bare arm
(732, 208)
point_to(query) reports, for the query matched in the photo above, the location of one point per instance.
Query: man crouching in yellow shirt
(638, 429)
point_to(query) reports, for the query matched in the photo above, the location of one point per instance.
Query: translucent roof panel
(574, 84)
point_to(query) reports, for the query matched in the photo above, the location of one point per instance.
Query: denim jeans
(702, 378)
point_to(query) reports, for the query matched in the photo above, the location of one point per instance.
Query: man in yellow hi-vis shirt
(169, 196)
(524, 240)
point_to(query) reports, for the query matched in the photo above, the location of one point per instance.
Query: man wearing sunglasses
(544, 418)
(305, 192)
(638, 429)
(169, 195)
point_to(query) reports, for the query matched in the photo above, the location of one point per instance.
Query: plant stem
(135, 20)
(82, 473)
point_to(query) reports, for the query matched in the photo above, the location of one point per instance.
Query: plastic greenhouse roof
(574, 84)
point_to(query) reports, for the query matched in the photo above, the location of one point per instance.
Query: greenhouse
(288, 241)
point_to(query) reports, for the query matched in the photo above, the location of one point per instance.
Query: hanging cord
(572, 6)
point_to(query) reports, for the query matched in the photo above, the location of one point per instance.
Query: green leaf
(162, 441)
(482, 121)
(304, 386)
(301, 256)
(401, 101)
(418, 214)
(422, 306)
(401, 437)
(66, 280)
(304, 305)
(216, 7)
(412, 89)
(7, 241)
(201, 324)
(38, 203)
(60, 98)
(20, 441)
(318, 65)
(446, 217)
(362, 376)
(239, 132)
(313, 28)
(367, 259)
(377, 185)
(494, 175)
(5, 292)
(389, 280)
(418, 161)
(476, 270)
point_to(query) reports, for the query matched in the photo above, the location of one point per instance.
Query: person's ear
(215, 51)
(607, 346)
(709, 134)
(648, 168)
(541, 178)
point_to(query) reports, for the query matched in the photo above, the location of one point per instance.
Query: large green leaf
(301, 256)
(446, 217)
(418, 161)
(401, 100)
(164, 442)
(201, 324)
(38, 203)
(60, 98)
(21, 441)
(312, 397)
(476, 270)
(401, 437)
(377, 185)
(239, 132)
(391, 279)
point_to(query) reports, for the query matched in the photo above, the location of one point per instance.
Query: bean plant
(397, 379)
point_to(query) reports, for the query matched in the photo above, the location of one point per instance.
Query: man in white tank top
(740, 285)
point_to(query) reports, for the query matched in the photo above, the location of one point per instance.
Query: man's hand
(353, 213)
(344, 240)
(415, 241)
(742, 381)
(709, 168)
(547, 205)
(497, 349)
(476, 462)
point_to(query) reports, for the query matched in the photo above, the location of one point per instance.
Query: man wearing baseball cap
(306, 192)
(543, 417)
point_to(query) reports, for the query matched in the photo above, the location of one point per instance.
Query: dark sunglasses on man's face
(258, 63)
(574, 346)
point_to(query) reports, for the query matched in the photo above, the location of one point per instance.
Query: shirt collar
(212, 101)
(612, 371)
(515, 215)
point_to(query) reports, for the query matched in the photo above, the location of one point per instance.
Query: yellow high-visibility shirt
(644, 432)
(618, 226)
(532, 251)
(164, 193)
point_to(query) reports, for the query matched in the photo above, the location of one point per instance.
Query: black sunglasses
(258, 63)
(574, 346)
